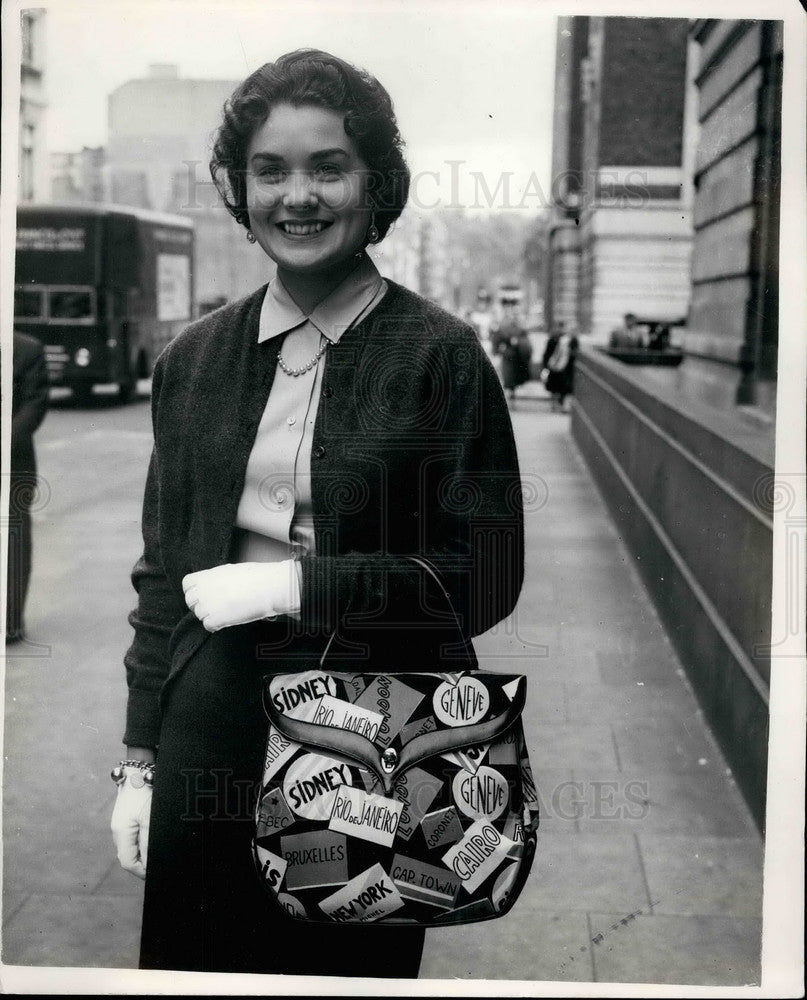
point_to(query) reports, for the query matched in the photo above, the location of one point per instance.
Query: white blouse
(274, 521)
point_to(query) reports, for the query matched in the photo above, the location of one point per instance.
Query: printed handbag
(395, 798)
(398, 798)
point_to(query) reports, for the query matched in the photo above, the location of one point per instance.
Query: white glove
(130, 827)
(237, 593)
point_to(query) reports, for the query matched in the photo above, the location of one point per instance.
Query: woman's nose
(299, 193)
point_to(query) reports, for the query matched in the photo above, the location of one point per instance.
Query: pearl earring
(251, 238)
(373, 235)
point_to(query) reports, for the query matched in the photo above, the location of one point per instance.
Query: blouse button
(319, 451)
(327, 392)
(291, 421)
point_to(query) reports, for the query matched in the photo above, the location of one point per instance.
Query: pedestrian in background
(511, 343)
(558, 366)
(29, 404)
(296, 467)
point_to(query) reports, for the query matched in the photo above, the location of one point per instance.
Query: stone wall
(687, 489)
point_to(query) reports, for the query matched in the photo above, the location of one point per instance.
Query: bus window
(28, 304)
(71, 304)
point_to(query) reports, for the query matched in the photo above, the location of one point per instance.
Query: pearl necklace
(295, 372)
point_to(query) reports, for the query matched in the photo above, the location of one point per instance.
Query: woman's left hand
(237, 593)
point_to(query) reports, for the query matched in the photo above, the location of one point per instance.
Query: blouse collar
(280, 313)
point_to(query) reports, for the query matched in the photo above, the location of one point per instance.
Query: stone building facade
(687, 474)
(79, 177)
(32, 169)
(160, 134)
(734, 314)
(621, 234)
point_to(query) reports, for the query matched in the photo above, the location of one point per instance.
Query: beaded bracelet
(144, 777)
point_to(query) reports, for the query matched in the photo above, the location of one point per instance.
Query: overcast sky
(470, 82)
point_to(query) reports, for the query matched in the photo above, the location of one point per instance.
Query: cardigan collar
(345, 304)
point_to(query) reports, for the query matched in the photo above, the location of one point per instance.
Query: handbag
(402, 798)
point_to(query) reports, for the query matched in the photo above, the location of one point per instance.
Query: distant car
(647, 342)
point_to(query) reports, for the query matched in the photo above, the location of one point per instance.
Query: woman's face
(306, 190)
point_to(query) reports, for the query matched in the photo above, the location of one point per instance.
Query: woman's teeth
(302, 228)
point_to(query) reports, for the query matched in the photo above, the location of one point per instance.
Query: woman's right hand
(130, 825)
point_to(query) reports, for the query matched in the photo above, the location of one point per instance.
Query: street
(66, 690)
(649, 867)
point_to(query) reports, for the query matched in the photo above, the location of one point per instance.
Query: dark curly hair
(311, 77)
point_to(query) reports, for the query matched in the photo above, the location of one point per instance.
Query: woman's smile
(302, 229)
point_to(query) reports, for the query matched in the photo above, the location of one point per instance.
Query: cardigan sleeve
(474, 536)
(156, 615)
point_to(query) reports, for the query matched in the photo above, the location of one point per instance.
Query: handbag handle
(424, 564)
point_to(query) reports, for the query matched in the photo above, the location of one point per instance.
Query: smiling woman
(289, 484)
(308, 199)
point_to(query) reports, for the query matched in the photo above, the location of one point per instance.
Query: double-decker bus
(104, 287)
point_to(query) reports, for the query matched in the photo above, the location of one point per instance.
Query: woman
(558, 367)
(307, 438)
(512, 343)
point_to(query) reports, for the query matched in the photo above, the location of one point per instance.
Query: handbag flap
(389, 722)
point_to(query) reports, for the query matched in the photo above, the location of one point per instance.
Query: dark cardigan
(413, 452)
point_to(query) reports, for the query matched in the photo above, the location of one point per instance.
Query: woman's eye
(271, 174)
(328, 170)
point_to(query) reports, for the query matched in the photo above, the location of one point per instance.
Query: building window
(27, 163)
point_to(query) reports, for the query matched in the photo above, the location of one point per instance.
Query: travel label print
(463, 703)
(291, 693)
(394, 700)
(341, 715)
(351, 827)
(369, 817)
(478, 854)
(273, 812)
(416, 789)
(278, 751)
(311, 783)
(483, 794)
(364, 899)
(314, 860)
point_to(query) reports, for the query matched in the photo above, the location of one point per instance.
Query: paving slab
(711, 876)
(588, 872)
(625, 703)
(666, 744)
(54, 929)
(692, 950)
(706, 803)
(573, 744)
(531, 945)
(556, 801)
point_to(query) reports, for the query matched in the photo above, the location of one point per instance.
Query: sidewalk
(649, 867)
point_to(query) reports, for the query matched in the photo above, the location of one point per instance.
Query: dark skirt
(561, 383)
(204, 908)
(515, 368)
